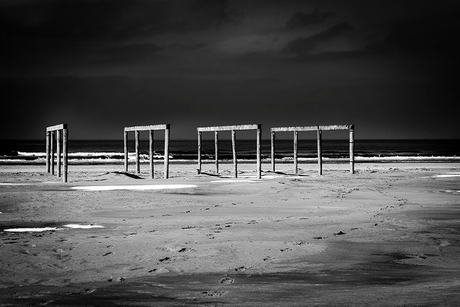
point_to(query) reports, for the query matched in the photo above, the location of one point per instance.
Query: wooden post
(58, 134)
(199, 152)
(48, 155)
(58, 152)
(65, 149)
(259, 161)
(352, 156)
(125, 145)
(152, 171)
(166, 160)
(320, 153)
(235, 163)
(272, 144)
(52, 152)
(138, 166)
(216, 150)
(296, 168)
(233, 130)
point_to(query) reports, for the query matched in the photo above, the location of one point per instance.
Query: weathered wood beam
(166, 153)
(352, 156)
(311, 128)
(58, 152)
(216, 150)
(125, 146)
(320, 151)
(65, 149)
(48, 151)
(296, 164)
(259, 152)
(235, 162)
(52, 151)
(199, 152)
(148, 127)
(229, 128)
(137, 148)
(56, 127)
(272, 149)
(151, 146)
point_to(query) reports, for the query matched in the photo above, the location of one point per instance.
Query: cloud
(113, 20)
(47, 33)
(303, 20)
(307, 45)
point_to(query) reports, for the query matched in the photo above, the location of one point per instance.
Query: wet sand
(388, 235)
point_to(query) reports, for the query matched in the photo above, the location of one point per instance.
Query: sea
(186, 151)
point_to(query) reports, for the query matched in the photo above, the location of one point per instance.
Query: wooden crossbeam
(312, 128)
(229, 128)
(147, 128)
(233, 129)
(56, 127)
(150, 129)
(318, 129)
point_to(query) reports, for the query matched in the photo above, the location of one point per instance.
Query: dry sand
(388, 235)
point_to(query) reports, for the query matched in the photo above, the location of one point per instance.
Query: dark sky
(389, 67)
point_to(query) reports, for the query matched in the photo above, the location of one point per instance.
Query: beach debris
(340, 233)
(89, 291)
(214, 293)
(118, 279)
(318, 238)
(241, 269)
(226, 280)
(188, 227)
(164, 259)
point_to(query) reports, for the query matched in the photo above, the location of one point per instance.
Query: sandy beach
(388, 235)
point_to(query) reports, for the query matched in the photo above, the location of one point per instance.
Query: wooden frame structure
(318, 130)
(233, 130)
(54, 132)
(150, 129)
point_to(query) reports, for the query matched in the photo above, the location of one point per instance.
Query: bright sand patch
(135, 187)
(32, 229)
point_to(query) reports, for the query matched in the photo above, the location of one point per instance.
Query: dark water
(110, 150)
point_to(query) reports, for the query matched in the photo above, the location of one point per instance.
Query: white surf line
(135, 187)
(13, 183)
